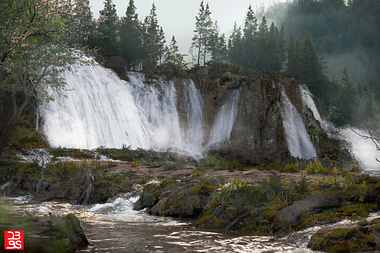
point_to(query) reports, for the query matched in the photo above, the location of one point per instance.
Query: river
(116, 227)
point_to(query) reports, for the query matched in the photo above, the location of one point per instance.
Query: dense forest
(331, 45)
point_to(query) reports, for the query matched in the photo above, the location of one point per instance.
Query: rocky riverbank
(270, 199)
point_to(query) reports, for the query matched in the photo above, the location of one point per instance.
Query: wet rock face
(257, 134)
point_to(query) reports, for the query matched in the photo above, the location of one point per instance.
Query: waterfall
(225, 119)
(297, 138)
(307, 97)
(159, 106)
(194, 110)
(98, 109)
(363, 149)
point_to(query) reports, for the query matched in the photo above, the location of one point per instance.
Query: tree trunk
(41, 163)
(88, 186)
(199, 49)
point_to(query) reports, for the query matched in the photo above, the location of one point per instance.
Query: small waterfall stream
(363, 149)
(224, 120)
(297, 138)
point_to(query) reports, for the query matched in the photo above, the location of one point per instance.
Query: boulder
(362, 238)
(186, 198)
(290, 214)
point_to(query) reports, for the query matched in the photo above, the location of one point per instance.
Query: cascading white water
(225, 119)
(99, 109)
(307, 97)
(362, 148)
(297, 138)
(194, 110)
(160, 110)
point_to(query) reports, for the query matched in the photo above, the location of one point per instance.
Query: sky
(177, 17)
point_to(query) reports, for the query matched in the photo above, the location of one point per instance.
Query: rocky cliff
(258, 134)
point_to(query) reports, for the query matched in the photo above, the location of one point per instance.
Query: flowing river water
(116, 227)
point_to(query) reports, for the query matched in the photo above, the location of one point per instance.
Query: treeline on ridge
(308, 29)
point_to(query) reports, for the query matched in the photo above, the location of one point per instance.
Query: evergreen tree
(153, 36)
(79, 23)
(203, 32)
(172, 54)
(311, 66)
(348, 96)
(130, 46)
(217, 45)
(261, 46)
(294, 57)
(108, 28)
(235, 46)
(275, 48)
(249, 43)
(161, 44)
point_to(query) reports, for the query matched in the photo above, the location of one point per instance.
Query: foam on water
(122, 210)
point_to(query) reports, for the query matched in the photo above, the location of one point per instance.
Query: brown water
(115, 227)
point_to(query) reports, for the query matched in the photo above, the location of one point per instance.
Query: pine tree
(130, 45)
(348, 97)
(294, 57)
(261, 46)
(235, 46)
(161, 44)
(217, 45)
(203, 32)
(249, 43)
(312, 69)
(108, 28)
(79, 23)
(172, 54)
(153, 36)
